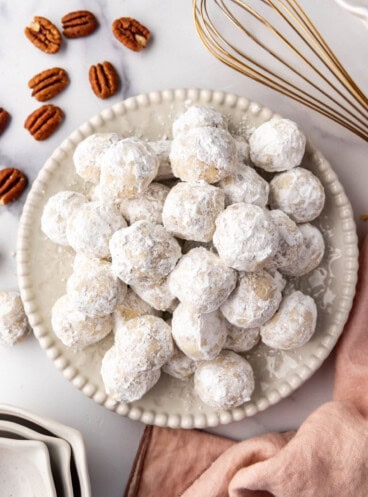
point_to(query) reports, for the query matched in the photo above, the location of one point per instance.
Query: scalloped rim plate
(169, 404)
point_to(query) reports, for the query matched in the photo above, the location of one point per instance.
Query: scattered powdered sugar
(75, 329)
(202, 280)
(13, 320)
(294, 323)
(225, 382)
(200, 336)
(190, 210)
(127, 168)
(148, 206)
(246, 237)
(87, 155)
(298, 193)
(143, 253)
(90, 228)
(58, 209)
(121, 383)
(254, 301)
(208, 154)
(245, 185)
(277, 145)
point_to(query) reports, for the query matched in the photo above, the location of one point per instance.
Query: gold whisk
(311, 73)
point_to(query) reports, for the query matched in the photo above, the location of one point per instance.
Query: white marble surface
(175, 58)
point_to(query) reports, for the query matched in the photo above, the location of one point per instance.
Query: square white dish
(59, 451)
(50, 427)
(25, 469)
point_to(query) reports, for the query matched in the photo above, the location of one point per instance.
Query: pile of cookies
(188, 273)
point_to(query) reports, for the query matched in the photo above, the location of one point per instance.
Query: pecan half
(131, 33)
(12, 184)
(4, 120)
(79, 23)
(44, 121)
(49, 83)
(44, 35)
(104, 79)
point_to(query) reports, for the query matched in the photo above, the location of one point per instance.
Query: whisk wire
(291, 14)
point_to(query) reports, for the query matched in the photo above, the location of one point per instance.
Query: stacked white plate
(40, 457)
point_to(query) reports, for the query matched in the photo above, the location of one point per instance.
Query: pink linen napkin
(326, 457)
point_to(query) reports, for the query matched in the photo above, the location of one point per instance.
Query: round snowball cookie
(207, 154)
(95, 291)
(179, 365)
(293, 325)
(56, 213)
(200, 336)
(198, 117)
(246, 238)
(13, 320)
(158, 294)
(290, 241)
(191, 209)
(241, 339)
(127, 168)
(75, 329)
(87, 155)
(143, 253)
(90, 228)
(277, 145)
(132, 306)
(145, 342)
(245, 185)
(311, 254)
(254, 301)
(122, 384)
(202, 280)
(298, 193)
(148, 206)
(224, 382)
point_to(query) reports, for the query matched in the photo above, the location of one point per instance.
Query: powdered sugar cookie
(190, 210)
(147, 206)
(206, 153)
(254, 301)
(246, 238)
(200, 336)
(91, 226)
(202, 280)
(298, 193)
(245, 185)
(241, 339)
(127, 168)
(224, 382)
(13, 320)
(87, 155)
(198, 117)
(277, 145)
(294, 323)
(122, 384)
(75, 329)
(58, 209)
(179, 365)
(143, 253)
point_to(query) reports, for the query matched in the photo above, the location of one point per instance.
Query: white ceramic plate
(59, 452)
(43, 269)
(49, 427)
(25, 469)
